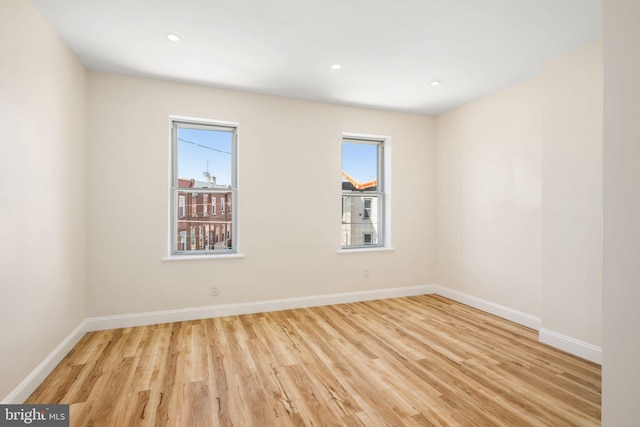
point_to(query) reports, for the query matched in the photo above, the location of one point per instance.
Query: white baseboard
(515, 316)
(28, 386)
(573, 346)
(38, 375)
(156, 317)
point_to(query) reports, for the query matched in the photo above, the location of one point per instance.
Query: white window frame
(172, 252)
(214, 200)
(384, 191)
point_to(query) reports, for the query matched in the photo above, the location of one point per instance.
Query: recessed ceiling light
(336, 66)
(173, 37)
(435, 83)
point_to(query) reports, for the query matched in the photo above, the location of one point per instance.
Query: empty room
(410, 213)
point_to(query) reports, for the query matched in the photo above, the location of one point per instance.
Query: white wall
(621, 371)
(572, 195)
(42, 182)
(289, 198)
(489, 198)
(493, 157)
(520, 198)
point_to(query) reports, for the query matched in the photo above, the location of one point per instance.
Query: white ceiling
(389, 50)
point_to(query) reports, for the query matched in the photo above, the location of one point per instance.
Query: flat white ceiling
(389, 50)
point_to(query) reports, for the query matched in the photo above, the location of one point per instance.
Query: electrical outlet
(365, 272)
(215, 291)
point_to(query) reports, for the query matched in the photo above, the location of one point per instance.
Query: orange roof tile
(357, 185)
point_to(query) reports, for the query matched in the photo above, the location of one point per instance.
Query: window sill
(360, 250)
(199, 257)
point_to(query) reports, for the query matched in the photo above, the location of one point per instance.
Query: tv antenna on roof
(211, 178)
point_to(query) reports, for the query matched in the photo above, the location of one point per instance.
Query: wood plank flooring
(416, 361)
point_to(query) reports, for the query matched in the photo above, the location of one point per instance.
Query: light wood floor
(417, 361)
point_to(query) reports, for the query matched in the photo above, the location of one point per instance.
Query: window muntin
(362, 193)
(203, 171)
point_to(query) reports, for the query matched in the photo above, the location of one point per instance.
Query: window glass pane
(204, 188)
(196, 223)
(359, 166)
(204, 158)
(360, 220)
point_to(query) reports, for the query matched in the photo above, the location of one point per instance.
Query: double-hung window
(363, 197)
(204, 159)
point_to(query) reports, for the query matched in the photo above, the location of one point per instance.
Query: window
(367, 208)
(363, 192)
(367, 238)
(183, 240)
(181, 206)
(203, 171)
